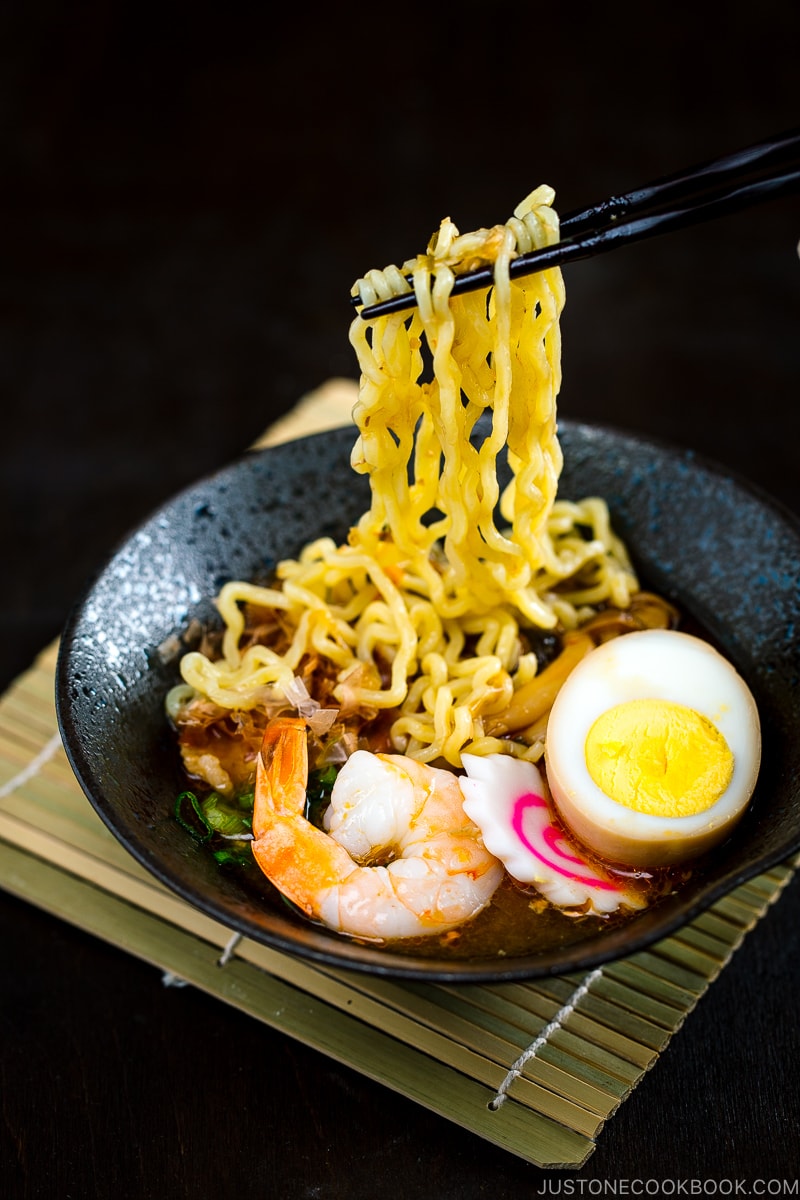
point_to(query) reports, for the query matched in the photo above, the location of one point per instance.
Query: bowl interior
(727, 555)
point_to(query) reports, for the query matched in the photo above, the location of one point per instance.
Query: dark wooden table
(186, 198)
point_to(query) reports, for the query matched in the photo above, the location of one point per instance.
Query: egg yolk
(658, 757)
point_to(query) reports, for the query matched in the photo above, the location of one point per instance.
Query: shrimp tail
(281, 772)
(298, 858)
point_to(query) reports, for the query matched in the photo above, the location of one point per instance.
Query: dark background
(186, 195)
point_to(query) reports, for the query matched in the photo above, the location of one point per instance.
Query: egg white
(655, 664)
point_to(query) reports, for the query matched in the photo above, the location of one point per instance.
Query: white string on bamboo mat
(169, 979)
(536, 1045)
(228, 952)
(33, 768)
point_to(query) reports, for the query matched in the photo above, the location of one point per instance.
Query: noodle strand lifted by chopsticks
(421, 612)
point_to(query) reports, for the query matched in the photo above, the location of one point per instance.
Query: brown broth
(518, 922)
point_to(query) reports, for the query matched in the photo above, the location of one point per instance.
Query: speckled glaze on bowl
(726, 554)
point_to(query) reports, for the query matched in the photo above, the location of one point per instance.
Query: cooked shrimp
(398, 858)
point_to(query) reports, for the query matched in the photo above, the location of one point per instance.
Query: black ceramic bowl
(727, 555)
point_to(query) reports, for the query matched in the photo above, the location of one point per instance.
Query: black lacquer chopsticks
(688, 197)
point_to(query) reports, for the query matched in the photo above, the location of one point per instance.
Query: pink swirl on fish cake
(549, 835)
(506, 798)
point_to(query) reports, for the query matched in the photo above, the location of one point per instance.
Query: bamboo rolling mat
(536, 1068)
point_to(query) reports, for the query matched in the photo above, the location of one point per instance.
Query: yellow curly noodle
(427, 581)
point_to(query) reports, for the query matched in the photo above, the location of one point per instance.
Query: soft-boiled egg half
(653, 748)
